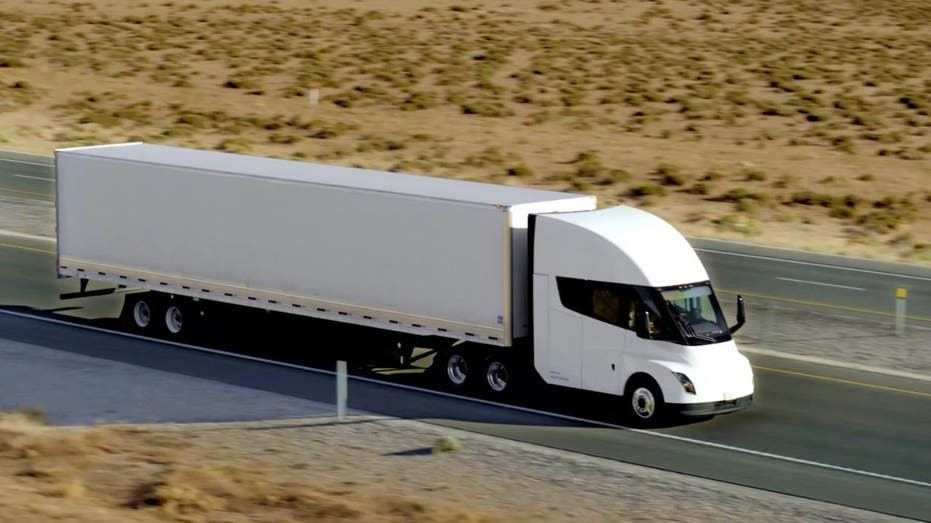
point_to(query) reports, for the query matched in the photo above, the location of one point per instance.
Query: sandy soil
(802, 124)
(366, 469)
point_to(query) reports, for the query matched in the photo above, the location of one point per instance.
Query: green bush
(881, 221)
(588, 165)
(739, 194)
(753, 175)
(418, 101)
(843, 143)
(489, 108)
(235, 145)
(670, 174)
(520, 171)
(651, 189)
(194, 120)
(699, 188)
(241, 83)
(812, 198)
(739, 223)
(841, 212)
(10, 62)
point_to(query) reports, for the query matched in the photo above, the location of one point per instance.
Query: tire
(182, 317)
(644, 402)
(140, 313)
(456, 370)
(498, 376)
(175, 319)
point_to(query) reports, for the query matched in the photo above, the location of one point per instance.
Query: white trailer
(495, 278)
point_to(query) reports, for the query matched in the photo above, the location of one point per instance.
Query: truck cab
(622, 305)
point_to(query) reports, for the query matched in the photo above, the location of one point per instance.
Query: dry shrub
(182, 492)
(71, 488)
(23, 437)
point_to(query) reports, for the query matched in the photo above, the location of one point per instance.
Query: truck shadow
(417, 398)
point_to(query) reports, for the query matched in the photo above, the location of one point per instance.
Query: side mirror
(642, 325)
(741, 315)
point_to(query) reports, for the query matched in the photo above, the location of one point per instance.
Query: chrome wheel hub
(497, 376)
(644, 405)
(456, 369)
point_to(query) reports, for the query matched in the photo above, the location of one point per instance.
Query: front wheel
(644, 400)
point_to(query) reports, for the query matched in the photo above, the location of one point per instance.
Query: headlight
(687, 384)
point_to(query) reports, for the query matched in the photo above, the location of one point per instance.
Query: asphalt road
(849, 443)
(809, 423)
(27, 175)
(817, 278)
(841, 418)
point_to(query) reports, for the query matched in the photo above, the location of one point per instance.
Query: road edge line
(834, 363)
(36, 237)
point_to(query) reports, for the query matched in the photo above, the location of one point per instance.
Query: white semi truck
(498, 282)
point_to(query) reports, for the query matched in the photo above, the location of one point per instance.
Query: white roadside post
(341, 389)
(313, 95)
(900, 295)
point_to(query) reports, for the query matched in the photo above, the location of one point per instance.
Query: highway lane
(843, 418)
(113, 382)
(27, 176)
(833, 280)
(138, 372)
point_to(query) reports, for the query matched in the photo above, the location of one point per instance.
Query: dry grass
(367, 469)
(634, 101)
(109, 474)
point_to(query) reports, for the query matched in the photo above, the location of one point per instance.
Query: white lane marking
(34, 177)
(15, 234)
(823, 265)
(27, 162)
(683, 439)
(823, 284)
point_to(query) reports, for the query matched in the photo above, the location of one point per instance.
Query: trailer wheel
(644, 399)
(142, 314)
(498, 375)
(174, 319)
(457, 368)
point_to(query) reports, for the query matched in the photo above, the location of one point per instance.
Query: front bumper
(712, 407)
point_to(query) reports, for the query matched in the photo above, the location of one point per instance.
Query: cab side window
(606, 305)
(607, 302)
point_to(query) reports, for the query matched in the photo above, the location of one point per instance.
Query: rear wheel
(456, 369)
(644, 400)
(142, 314)
(499, 375)
(174, 319)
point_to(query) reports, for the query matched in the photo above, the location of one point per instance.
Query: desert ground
(801, 124)
(364, 469)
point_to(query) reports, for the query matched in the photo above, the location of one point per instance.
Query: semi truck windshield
(695, 310)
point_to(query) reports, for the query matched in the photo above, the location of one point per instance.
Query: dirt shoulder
(365, 469)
